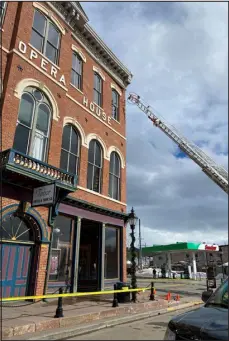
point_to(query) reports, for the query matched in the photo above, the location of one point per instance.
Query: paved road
(148, 329)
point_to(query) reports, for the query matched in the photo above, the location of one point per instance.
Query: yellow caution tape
(22, 298)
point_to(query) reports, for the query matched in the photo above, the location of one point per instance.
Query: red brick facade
(18, 65)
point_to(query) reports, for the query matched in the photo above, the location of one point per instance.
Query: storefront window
(61, 254)
(111, 253)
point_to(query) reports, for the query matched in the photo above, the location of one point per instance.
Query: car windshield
(220, 297)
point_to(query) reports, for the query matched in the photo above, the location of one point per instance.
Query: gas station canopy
(179, 247)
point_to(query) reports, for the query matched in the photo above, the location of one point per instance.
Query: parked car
(210, 322)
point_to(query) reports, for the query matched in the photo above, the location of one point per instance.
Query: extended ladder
(217, 173)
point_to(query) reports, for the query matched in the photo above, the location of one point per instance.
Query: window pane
(37, 94)
(115, 112)
(77, 64)
(26, 110)
(38, 146)
(37, 41)
(39, 22)
(72, 164)
(117, 165)
(64, 160)
(89, 176)
(110, 185)
(74, 142)
(100, 100)
(43, 118)
(21, 139)
(51, 53)
(112, 163)
(115, 194)
(91, 155)
(114, 97)
(96, 180)
(96, 97)
(95, 81)
(98, 161)
(112, 252)
(53, 36)
(60, 269)
(66, 137)
(75, 79)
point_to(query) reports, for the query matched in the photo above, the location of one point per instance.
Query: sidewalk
(19, 319)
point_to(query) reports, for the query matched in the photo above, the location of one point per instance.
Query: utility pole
(140, 245)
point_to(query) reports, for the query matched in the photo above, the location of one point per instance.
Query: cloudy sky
(177, 53)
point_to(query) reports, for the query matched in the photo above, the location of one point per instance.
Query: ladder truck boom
(215, 172)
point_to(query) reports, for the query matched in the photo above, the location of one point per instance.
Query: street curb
(63, 333)
(26, 329)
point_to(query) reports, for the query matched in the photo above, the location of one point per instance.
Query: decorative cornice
(75, 17)
(94, 208)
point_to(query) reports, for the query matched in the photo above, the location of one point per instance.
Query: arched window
(94, 172)
(98, 89)
(114, 176)
(33, 124)
(77, 70)
(45, 37)
(70, 148)
(115, 105)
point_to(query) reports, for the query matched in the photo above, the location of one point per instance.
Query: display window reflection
(61, 253)
(112, 252)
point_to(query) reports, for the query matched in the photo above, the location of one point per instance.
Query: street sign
(211, 283)
(44, 196)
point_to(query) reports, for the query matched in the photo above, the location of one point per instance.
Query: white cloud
(178, 53)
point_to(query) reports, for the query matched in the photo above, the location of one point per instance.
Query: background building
(63, 122)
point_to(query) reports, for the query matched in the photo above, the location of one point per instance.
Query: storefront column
(77, 252)
(102, 256)
(194, 265)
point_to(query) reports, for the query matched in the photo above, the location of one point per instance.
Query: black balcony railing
(20, 163)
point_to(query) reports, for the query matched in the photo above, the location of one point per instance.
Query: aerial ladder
(215, 172)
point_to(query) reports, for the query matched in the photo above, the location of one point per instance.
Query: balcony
(23, 170)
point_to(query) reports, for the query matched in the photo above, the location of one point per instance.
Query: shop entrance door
(89, 256)
(15, 269)
(19, 252)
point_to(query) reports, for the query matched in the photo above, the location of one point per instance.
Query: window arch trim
(115, 149)
(93, 136)
(24, 83)
(79, 52)
(116, 88)
(74, 123)
(50, 15)
(97, 70)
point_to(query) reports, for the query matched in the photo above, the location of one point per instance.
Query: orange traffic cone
(168, 297)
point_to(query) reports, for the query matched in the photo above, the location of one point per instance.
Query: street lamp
(132, 221)
(221, 259)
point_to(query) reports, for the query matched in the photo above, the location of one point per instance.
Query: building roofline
(75, 17)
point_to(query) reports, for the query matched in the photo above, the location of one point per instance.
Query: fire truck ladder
(215, 172)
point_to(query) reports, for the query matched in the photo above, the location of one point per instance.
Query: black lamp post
(132, 221)
(221, 260)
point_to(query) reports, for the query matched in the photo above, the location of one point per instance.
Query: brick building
(63, 126)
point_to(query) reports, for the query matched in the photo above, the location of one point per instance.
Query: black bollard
(59, 310)
(152, 298)
(115, 300)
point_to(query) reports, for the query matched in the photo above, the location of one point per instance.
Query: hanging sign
(44, 196)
